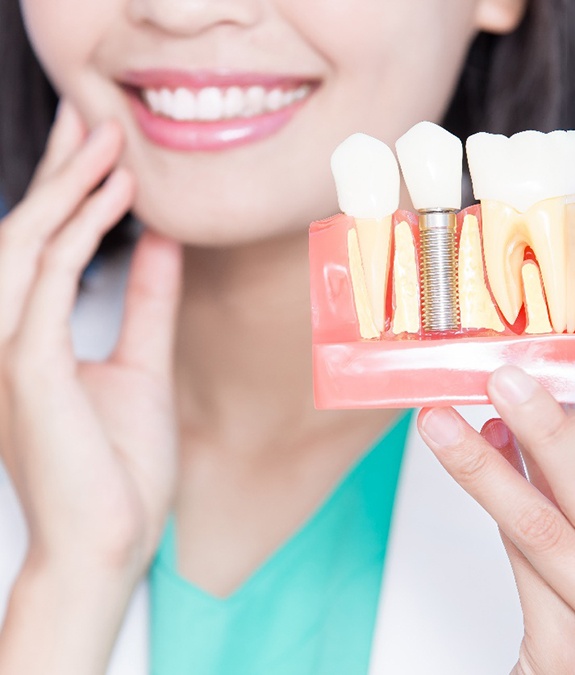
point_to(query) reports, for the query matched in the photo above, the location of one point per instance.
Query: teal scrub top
(309, 609)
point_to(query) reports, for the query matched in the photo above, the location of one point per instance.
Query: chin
(210, 228)
(209, 217)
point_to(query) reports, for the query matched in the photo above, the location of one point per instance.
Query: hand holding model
(90, 447)
(536, 515)
(501, 274)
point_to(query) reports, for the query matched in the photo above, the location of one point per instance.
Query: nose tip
(192, 17)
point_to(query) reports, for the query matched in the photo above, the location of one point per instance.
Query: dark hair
(524, 80)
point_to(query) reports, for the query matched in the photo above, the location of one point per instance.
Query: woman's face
(332, 67)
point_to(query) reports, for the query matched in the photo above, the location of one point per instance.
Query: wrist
(71, 616)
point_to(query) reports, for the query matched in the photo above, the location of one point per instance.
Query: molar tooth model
(418, 309)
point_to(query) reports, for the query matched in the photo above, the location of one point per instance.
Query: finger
(547, 617)
(495, 431)
(543, 429)
(45, 321)
(549, 621)
(535, 526)
(66, 137)
(26, 230)
(147, 336)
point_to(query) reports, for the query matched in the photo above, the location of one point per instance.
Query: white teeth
(153, 100)
(166, 102)
(366, 176)
(211, 104)
(301, 92)
(255, 101)
(274, 99)
(233, 102)
(524, 169)
(288, 98)
(431, 161)
(522, 183)
(184, 105)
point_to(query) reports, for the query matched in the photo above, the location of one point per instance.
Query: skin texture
(372, 83)
(228, 311)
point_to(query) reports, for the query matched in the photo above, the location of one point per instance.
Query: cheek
(388, 59)
(63, 34)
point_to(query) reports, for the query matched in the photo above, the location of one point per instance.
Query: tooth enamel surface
(152, 98)
(407, 315)
(367, 328)
(301, 92)
(522, 170)
(535, 306)
(476, 306)
(211, 104)
(255, 101)
(233, 102)
(166, 102)
(274, 99)
(431, 160)
(184, 104)
(366, 177)
(506, 234)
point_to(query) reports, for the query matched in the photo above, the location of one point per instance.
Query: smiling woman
(193, 455)
(494, 93)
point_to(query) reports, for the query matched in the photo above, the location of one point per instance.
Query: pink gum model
(415, 370)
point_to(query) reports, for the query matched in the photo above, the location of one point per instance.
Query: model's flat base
(412, 373)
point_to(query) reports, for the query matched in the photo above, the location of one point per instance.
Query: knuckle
(18, 230)
(540, 528)
(10, 233)
(16, 360)
(472, 465)
(551, 429)
(60, 258)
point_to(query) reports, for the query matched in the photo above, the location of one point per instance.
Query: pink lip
(208, 136)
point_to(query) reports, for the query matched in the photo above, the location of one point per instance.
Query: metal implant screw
(438, 270)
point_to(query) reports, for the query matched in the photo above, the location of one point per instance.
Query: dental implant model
(418, 309)
(431, 161)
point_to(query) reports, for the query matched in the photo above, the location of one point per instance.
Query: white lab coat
(448, 604)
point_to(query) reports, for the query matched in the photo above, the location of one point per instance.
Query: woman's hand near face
(536, 518)
(90, 447)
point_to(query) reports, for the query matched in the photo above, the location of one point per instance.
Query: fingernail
(442, 426)
(513, 384)
(496, 433)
